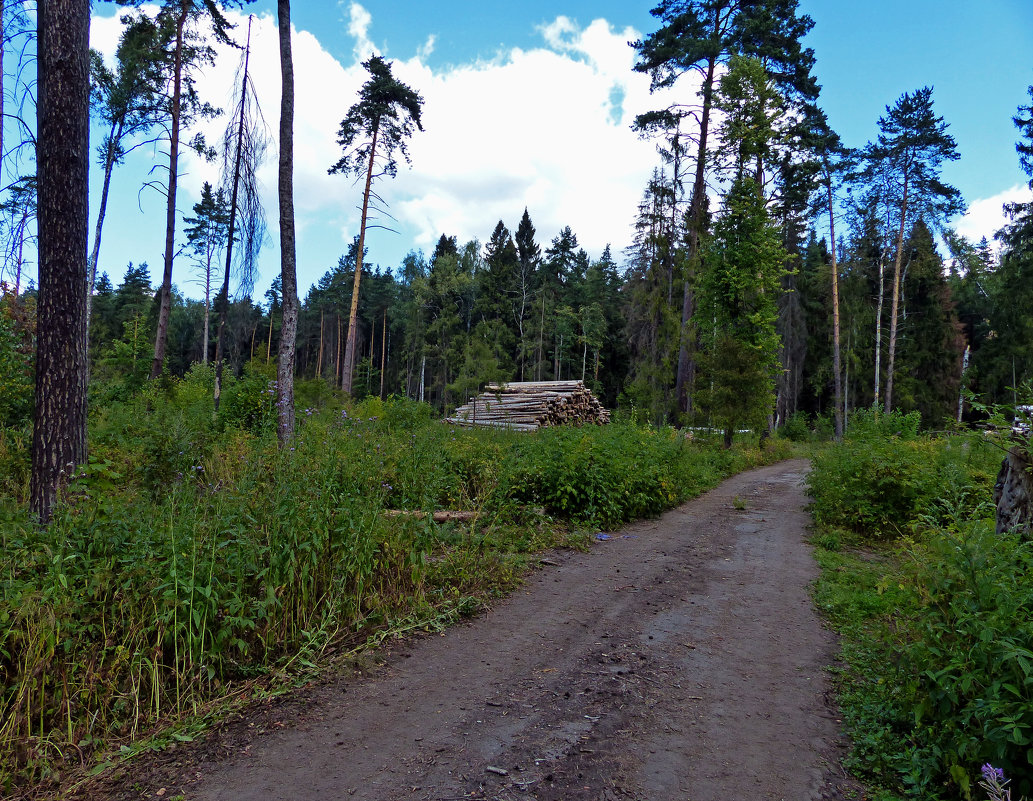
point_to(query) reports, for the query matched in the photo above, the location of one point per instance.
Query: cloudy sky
(530, 104)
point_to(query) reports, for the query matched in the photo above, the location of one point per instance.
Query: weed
(194, 563)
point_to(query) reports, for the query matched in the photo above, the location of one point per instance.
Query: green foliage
(937, 632)
(192, 554)
(16, 361)
(249, 403)
(740, 392)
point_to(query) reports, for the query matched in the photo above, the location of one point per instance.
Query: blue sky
(528, 104)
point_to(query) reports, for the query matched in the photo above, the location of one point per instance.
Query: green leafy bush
(971, 656)
(873, 486)
(937, 628)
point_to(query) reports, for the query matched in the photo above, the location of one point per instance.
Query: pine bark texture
(288, 253)
(895, 303)
(63, 141)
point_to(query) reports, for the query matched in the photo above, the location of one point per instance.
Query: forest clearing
(226, 493)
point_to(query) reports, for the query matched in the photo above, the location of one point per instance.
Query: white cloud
(359, 20)
(986, 216)
(547, 128)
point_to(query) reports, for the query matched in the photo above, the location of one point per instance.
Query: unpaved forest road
(680, 659)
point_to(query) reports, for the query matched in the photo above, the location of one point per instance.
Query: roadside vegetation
(933, 607)
(193, 564)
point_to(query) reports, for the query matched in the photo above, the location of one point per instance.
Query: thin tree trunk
(165, 293)
(340, 338)
(269, 342)
(319, 359)
(254, 333)
(895, 306)
(207, 308)
(224, 295)
(383, 353)
(540, 357)
(109, 167)
(961, 382)
(878, 326)
(288, 254)
(836, 368)
(63, 140)
(423, 373)
(353, 314)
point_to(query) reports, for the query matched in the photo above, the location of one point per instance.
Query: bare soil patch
(680, 658)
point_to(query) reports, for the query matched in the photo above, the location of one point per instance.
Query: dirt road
(679, 659)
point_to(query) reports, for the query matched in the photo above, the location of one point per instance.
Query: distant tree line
(773, 272)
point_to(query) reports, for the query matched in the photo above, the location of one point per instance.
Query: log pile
(528, 405)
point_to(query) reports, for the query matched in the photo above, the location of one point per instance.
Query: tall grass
(192, 559)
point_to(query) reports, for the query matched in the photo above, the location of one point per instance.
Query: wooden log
(442, 516)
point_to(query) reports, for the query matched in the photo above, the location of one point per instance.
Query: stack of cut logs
(527, 405)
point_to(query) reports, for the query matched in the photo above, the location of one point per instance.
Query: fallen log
(442, 516)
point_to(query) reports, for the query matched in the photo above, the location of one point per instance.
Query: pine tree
(699, 36)
(908, 155)
(288, 256)
(374, 128)
(128, 101)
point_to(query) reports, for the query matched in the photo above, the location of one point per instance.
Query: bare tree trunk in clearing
(288, 253)
(353, 314)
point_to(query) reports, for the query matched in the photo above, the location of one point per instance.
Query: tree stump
(1013, 493)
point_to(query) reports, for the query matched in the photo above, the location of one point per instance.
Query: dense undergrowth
(935, 609)
(193, 563)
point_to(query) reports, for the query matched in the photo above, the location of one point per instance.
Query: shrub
(872, 486)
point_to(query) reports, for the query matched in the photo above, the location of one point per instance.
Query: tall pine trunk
(353, 313)
(878, 325)
(288, 257)
(836, 367)
(165, 293)
(895, 305)
(63, 142)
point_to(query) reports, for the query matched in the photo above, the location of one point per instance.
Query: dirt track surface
(679, 659)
